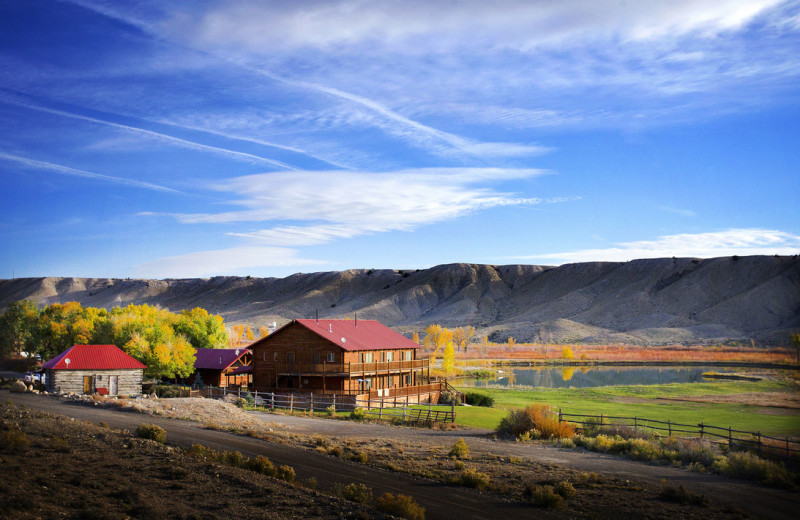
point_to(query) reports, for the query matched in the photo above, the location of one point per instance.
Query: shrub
(400, 505)
(448, 397)
(201, 452)
(286, 473)
(152, 432)
(13, 439)
(567, 353)
(262, 465)
(460, 450)
(478, 399)
(750, 466)
(471, 478)
(679, 495)
(359, 456)
(331, 411)
(535, 416)
(358, 414)
(358, 493)
(564, 489)
(234, 458)
(543, 496)
(60, 445)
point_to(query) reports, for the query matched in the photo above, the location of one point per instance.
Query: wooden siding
(297, 358)
(129, 381)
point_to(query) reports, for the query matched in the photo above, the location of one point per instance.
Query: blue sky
(201, 138)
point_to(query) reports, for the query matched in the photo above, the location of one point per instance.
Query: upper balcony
(349, 369)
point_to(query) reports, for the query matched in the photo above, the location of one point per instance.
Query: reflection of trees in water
(586, 376)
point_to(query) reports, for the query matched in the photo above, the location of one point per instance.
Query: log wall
(129, 380)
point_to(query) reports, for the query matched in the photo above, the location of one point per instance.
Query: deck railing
(350, 369)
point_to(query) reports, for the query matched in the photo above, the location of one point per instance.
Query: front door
(87, 384)
(112, 385)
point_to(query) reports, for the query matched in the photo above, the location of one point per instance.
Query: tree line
(162, 340)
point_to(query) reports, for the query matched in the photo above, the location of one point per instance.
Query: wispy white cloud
(678, 211)
(748, 241)
(268, 26)
(142, 132)
(366, 201)
(66, 170)
(222, 261)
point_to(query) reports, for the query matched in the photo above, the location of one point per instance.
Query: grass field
(652, 402)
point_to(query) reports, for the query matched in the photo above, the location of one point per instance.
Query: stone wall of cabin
(129, 380)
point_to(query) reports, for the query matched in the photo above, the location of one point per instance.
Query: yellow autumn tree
(264, 332)
(462, 336)
(449, 360)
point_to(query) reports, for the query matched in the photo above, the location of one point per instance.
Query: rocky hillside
(654, 301)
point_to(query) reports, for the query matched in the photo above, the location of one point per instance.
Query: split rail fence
(382, 408)
(735, 439)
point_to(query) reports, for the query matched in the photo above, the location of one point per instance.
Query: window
(390, 356)
(315, 357)
(331, 357)
(367, 357)
(408, 355)
(290, 357)
(274, 356)
(408, 380)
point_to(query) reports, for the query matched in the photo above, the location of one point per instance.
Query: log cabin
(90, 369)
(344, 357)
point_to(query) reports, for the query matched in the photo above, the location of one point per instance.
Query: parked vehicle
(33, 377)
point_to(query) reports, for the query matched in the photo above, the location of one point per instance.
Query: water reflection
(589, 376)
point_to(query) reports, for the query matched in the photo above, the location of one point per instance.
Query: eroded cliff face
(655, 301)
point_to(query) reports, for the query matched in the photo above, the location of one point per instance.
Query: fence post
(669, 425)
(758, 449)
(730, 439)
(635, 423)
(559, 415)
(291, 403)
(311, 402)
(380, 413)
(601, 420)
(701, 429)
(272, 400)
(334, 402)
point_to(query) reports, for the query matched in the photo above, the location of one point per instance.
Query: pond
(591, 376)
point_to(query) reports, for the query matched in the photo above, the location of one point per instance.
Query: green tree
(16, 326)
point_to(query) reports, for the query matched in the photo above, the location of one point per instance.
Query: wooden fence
(390, 408)
(734, 439)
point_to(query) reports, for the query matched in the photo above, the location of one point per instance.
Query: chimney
(330, 327)
(356, 320)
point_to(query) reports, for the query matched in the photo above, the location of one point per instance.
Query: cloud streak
(66, 170)
(215, 262)
(743, 242)
(253, 159)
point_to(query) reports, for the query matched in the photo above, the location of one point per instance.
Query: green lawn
(643, 401)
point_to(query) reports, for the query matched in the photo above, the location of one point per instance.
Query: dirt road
(441, 501)
(454, 503)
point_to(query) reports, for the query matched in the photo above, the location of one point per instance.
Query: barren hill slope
(654, 301)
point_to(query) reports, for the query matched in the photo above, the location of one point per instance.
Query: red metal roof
(218, 358)
(358, 334)
(92, 357)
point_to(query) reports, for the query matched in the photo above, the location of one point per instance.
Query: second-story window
(331, 357)
(290, 357)
(408, 355)
(367, 357)
(390, 356)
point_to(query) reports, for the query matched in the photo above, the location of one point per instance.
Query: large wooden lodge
(345, 357)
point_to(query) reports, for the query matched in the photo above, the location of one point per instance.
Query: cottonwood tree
(16, 326)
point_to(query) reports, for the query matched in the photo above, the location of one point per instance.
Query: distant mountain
(654, 301)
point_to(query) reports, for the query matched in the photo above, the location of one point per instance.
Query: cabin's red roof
(218, 358)
(358, 334)
(92, 357)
